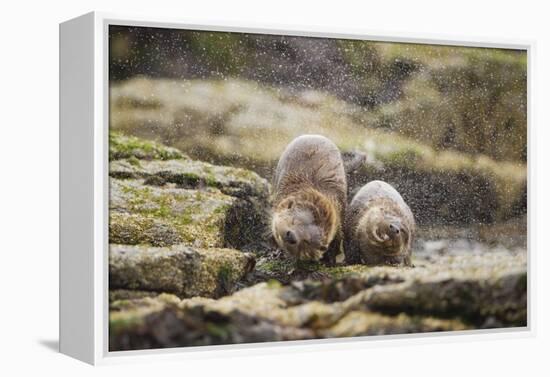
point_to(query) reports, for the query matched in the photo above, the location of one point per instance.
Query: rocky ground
(191, 264)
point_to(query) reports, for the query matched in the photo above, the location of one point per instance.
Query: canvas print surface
(269, 188)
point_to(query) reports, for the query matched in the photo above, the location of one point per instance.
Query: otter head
(383, 232)
(297, 229)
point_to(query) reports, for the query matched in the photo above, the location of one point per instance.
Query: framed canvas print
(240, 187)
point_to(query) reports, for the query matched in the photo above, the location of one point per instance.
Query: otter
(309, 199)
(379, 227)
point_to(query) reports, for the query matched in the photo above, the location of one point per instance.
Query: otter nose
(290, 237)
(394, 229)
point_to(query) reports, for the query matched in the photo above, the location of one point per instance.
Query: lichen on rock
(360, 323)
(181, 270)
(130, 147)
(193, 174)
(162, 203)
(163, 216)
(356, 301)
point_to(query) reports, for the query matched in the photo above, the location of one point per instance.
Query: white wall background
(29, 184)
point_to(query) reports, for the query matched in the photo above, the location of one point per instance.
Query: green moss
(137, 196)
(121, 146)
(120, 299)
(190, 215)
(186, 218)
(187, 179)
(276, 266)
(221, 209)
(219, 51)
(133, 229)
(345, 271)
(221, 331)
(134, 161)
(198, 196)
(211, 181)
(273, 284)
(244, 174)
(129, 103)
(402, 158)
(438, 55)
(120, 324)
(226, 277)
(306, 265)
(127, 315)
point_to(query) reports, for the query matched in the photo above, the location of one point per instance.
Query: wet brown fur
(321, 189)
(357, 251)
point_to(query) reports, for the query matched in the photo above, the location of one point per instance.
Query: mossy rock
(458, 292)
(484, 289)
(494, 302)
(165, 322)
(163, 216)
(167, 215)
(135, 229)
(360, 323)
(471, 100)
(187, 173)
(181, 270)
(160, 197)
(127, 295)
(133, 148)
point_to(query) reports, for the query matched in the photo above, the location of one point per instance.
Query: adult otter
(379, 227)
(309, 198)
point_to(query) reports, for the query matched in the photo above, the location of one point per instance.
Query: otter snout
(290, 237)
(394, 229)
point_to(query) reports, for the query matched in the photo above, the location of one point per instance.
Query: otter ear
(290, 204)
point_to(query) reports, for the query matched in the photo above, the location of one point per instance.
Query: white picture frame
(84, 110)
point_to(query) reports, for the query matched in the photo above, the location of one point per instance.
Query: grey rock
(181, 270)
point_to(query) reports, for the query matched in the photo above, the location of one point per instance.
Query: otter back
(313, 160)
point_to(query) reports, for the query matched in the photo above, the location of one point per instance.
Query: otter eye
(290, 204)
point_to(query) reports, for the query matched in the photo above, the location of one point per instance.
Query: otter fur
(309, 198)
(379, 227)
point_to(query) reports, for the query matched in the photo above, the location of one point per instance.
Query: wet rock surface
(174, 199)
(457, 292)
(190, 264)
(181, 270)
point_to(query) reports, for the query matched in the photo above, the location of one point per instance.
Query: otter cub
(379, 227)
(309, 197)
